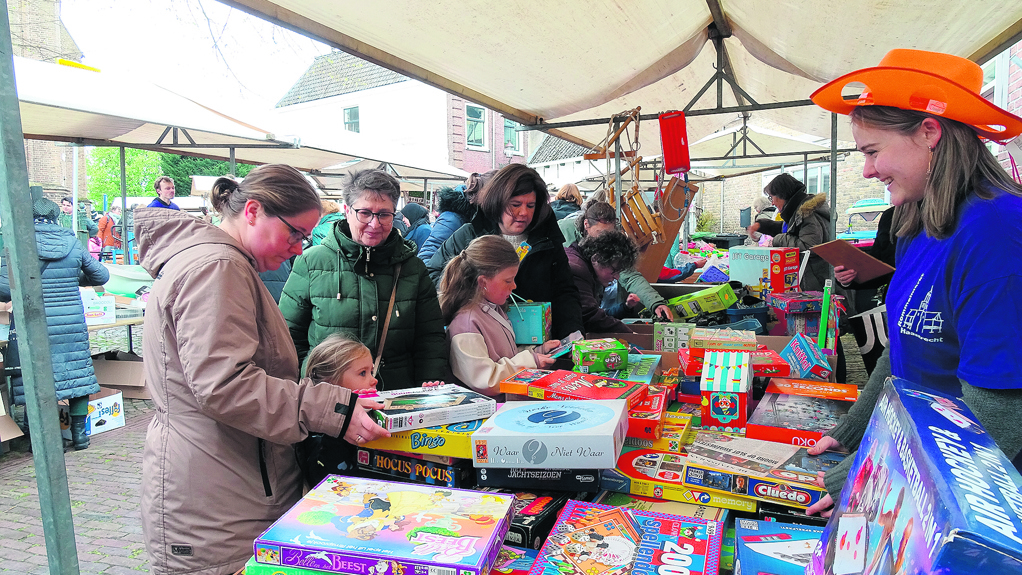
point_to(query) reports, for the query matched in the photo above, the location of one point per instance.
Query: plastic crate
(759, 313)
(748, 324)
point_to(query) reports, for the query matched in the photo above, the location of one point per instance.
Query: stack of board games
(454, 440)
(641, 503)
(726, 388)
(656, 474)
(535, 514)
(928, 492)
(762, 470)
(510, 561)
(580, 480)
(765, 363)
(800, 418)
(552, 434)
(352, 525)
(646, 420)
(565, 385)
(596, 355)
(417, 467)
(593, 539)
(416, 408)
(775, 548)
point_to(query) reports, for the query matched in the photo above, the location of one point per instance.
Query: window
(475, 126)
(351, 119)
(819, 177)
(512, 143)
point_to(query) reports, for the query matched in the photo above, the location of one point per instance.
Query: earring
(929, 163)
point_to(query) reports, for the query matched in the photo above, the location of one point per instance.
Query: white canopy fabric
(580, 60)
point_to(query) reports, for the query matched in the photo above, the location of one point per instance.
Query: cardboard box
(99, 310)
(764, 270)
(125, 374)
(532, 322)
(106, 412)
(671, 336)
(726, 389)
(715, 298)
(794, 419)
(928, 492)
(771, 547)
(707, 338)
(595, 355)
(806, 359)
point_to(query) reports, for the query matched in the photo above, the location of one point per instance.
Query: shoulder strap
(386, 322)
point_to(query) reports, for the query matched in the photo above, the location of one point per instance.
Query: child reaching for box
(473, 291)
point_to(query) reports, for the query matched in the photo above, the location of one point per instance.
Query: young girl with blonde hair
(473, 291)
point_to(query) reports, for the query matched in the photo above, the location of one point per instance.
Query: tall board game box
(928, 492)
(795, 419)
(726, 389)
(352, 525)
(457, 473)
(671, 337)
(764, 270)
(567, 385)
(535, 513)
(454, 440)
(418, 407)
(596, 355)
(531, 322)
(711, 299)
(594, 539)
(646, 420)
(552, 434)
(772, 547)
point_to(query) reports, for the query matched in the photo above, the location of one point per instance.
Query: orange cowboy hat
(931, 82)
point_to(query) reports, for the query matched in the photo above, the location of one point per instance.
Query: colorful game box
(552, 434)
(711, 299)
(661, 506)
(726, 387)
(806, 359)
(672, 440)
(775, 548)
(418, 407)
(928, 492)
(417, 470)
(684, 413)
(578, 480)
(593, 539)
(757, 469)
(453, 440)
(812, 388)
(531, 322)
(535, 514)
(671, 337)
(641, 369)
(794, 419)
(568, 385)
(657, 474)
(596, 355)
(513, 560)
(704, 339)
(352, 525)
(646, 420)
(798, 302)
(764, 270)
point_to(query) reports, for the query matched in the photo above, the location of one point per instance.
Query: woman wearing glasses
(218, 466)
(347, 283)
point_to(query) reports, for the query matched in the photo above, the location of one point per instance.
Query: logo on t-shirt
(917, 320)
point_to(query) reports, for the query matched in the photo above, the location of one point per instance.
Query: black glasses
(296, 236)
(366, 216)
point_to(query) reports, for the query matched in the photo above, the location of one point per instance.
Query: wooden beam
(999, 43)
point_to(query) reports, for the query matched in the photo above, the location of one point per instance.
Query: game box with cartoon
(535, 513)
(726, 390)
(353, 525)
(928, 492)
(419, 407)
(596, 355)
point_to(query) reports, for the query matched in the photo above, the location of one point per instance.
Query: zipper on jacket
(262, 470)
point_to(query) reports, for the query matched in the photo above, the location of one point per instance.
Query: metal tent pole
(30, 318)
(125, 244)
(833, 180)
(617, 171)
(233, 163)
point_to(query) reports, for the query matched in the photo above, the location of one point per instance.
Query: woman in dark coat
(514, 205)
(567, 201)
(418, 224)
(457, 206)
(596, 261)
(65, 265)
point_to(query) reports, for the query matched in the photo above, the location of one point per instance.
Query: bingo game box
(419, 407)
(454, 440)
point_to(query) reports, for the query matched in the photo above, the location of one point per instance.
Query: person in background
(218, 466)
(65, 265)
(346, 284)
(595, 263)
(109, 233)
(417, 221)
(457, 206)
(766, 217)
(951, 301)
(331, 214)
(514, 206)
(473, 293)
(164, 186)
(567, 201)
(86, 227)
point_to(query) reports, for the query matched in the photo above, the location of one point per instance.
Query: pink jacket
(483, 349)
(218, 466)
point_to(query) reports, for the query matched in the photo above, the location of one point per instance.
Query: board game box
(454, 440)
(641, 369)
(579, 480)
(656, 474)
(513, 560)
(671, 337)
(711, 299)
(672, 440)
(597, 355)
(812, 388)
(552, 434)
(646, 420)
(568, 385)
(352, 525)
(416, 408)
(928, 492)
(775, 548)
(764, 270)
(641, 503)
(460, 474)
(763, 470)
(795, 419)
(704, 339)
(535, 513)
(806, 359)
(593, 539)
(726, 389)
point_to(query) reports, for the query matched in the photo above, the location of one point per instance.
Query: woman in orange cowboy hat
(920, 122)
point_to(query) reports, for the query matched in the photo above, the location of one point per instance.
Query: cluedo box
(419, 407)
(726, 389)
(352, 525)
(596, 355)
(928, 492)
(454, 440)
(552, 434)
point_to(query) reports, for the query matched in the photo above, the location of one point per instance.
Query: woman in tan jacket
(218, 466)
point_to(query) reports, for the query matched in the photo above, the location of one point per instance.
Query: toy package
(711, 299)
(531, 322)
(453, 440)
(794, 419)
(671, 337)
(799, 302)
(352, 525)
(641, 503)
(726, 387)
(928, 492)
(568, 385)
(596, 355)
(775, 548)
(806, 359)
(764, 270)
(671, 440)
(579, 480)
(704, 339)
(416, 408)
(646, 420)
(593, 539)
(535, 513)
(417, 470)
(641, 369)
(552, 434)
(513, 560)
(757, 469)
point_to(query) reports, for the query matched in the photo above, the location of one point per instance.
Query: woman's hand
(825, 506)
(362, 428)
(826, 443)
(548, 346)
(844, 276)
(544, 361)
(664, 311)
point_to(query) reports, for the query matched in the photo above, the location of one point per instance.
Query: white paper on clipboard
(802, 268)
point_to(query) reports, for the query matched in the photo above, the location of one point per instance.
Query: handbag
(386, 322)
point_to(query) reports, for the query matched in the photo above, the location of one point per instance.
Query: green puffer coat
(340, 285)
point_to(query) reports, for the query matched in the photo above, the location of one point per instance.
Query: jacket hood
(53, 242)
(416, 214)
(452, 200)
(163, 233)
(817, 203)
(393, 250)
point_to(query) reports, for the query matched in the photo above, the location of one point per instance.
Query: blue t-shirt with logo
(952, 307)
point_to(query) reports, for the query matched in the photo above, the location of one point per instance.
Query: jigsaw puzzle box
(419, 407)
(928, 492)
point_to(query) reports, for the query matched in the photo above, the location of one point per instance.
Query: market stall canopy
(581, 60)
(412, 177)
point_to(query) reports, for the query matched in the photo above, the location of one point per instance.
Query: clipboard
(842, 253)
